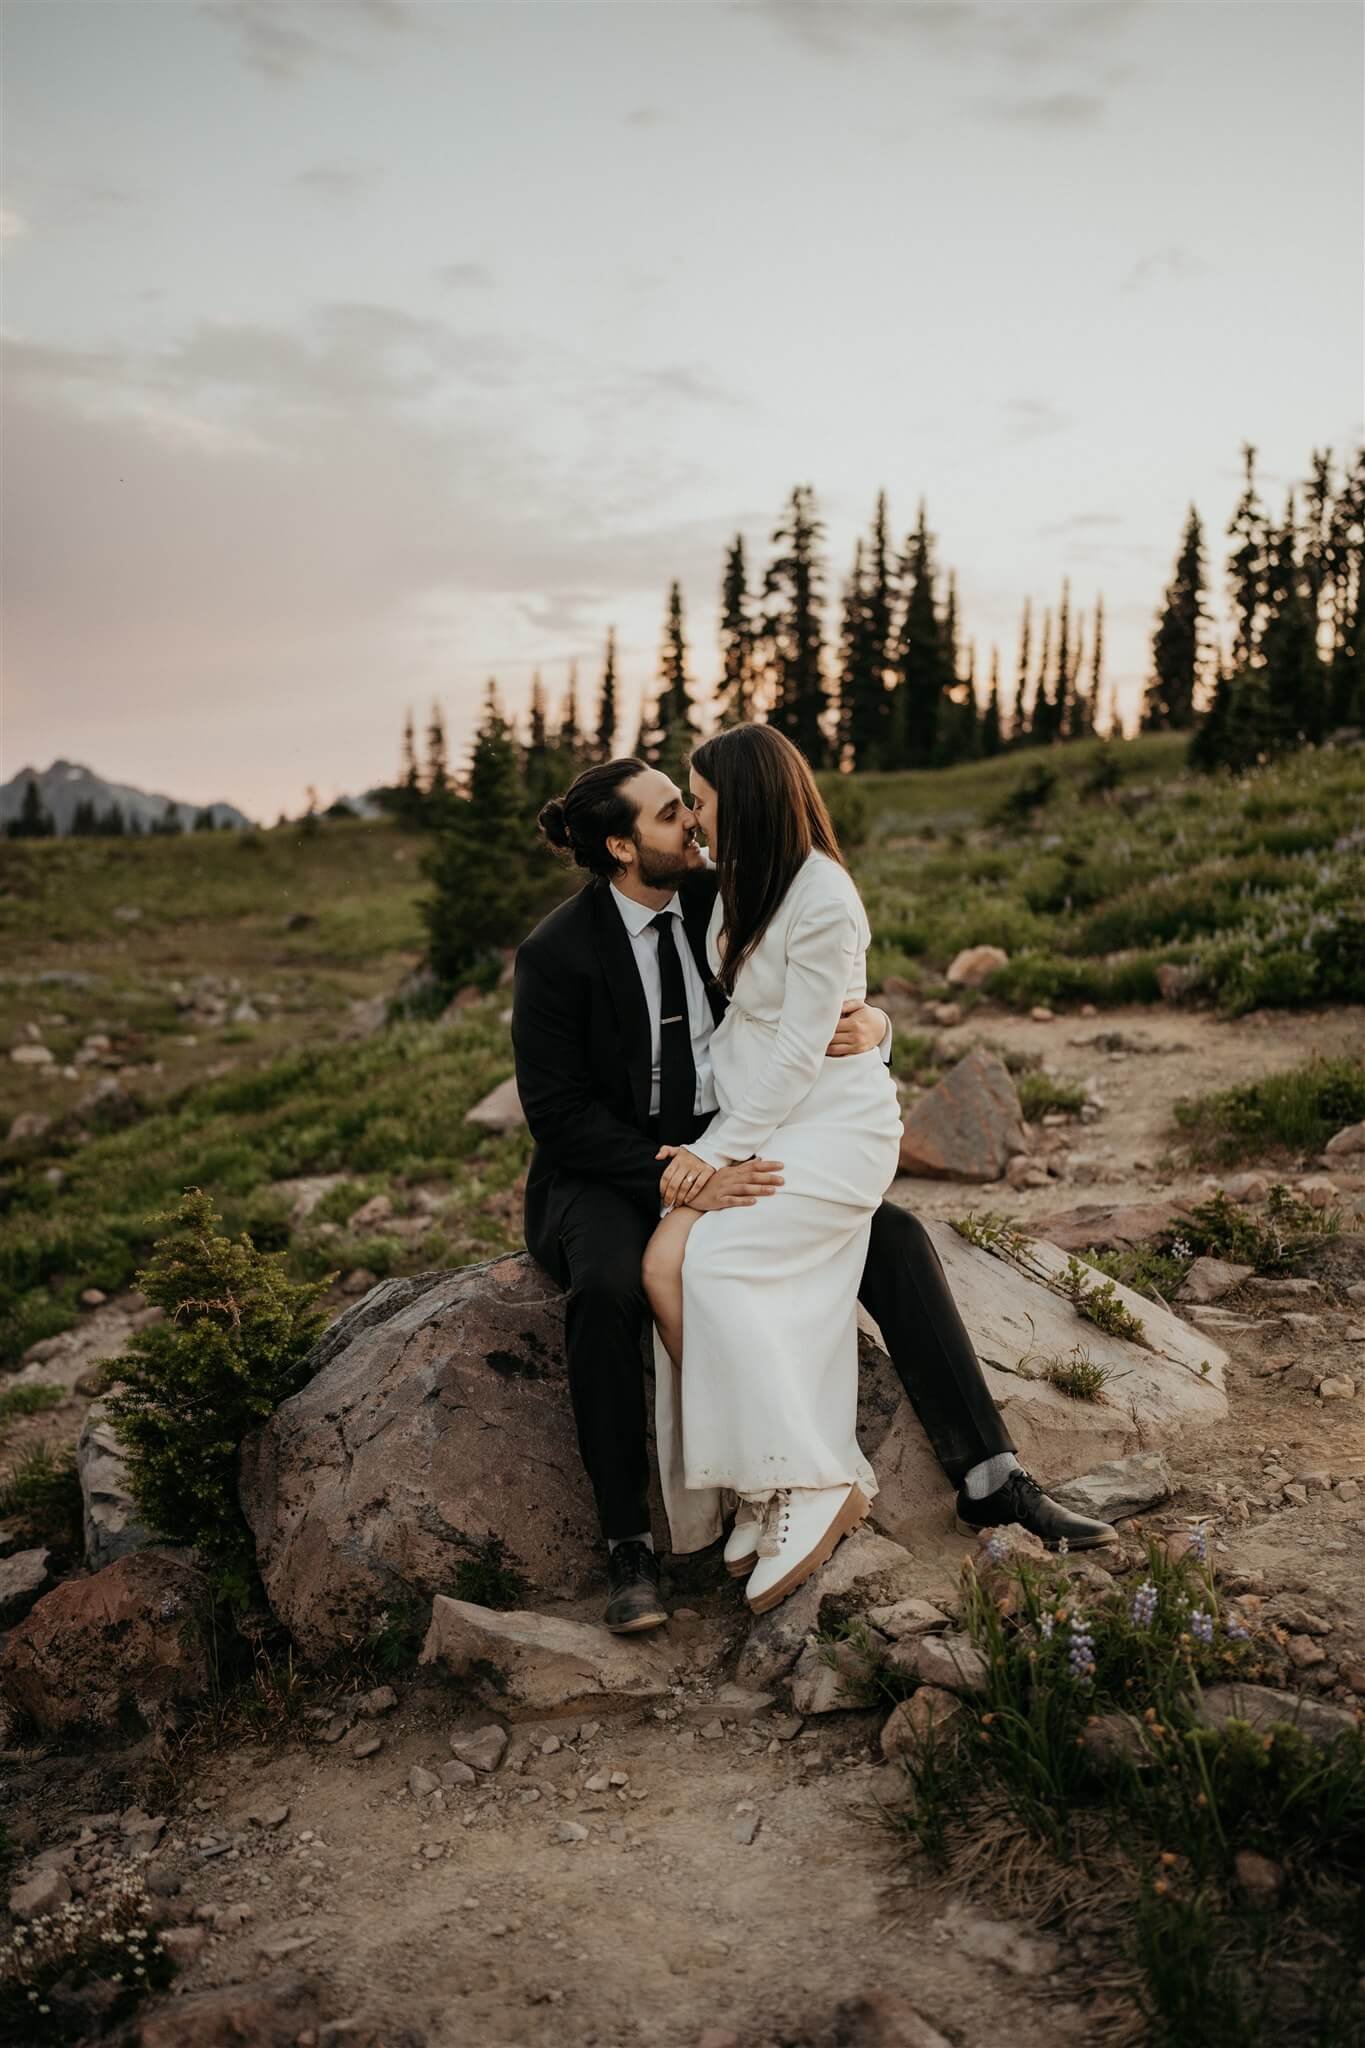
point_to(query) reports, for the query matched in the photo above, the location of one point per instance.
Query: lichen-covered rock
(968, 1127)
(537, 1664)
(121, 1649)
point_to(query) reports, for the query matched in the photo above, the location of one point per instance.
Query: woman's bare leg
(663, 1264)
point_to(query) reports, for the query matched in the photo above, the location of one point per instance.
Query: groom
(612, 1015)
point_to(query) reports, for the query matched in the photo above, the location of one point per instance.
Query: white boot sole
(854, 1510)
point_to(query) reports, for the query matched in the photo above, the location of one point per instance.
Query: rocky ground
(712, 1867)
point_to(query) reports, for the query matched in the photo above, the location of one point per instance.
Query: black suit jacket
(580, 1034)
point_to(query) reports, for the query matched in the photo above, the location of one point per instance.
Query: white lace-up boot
(741, 1547)
(803, 1528)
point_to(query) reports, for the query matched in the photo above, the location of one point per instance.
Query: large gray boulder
(434, 1444)
(113, 1526)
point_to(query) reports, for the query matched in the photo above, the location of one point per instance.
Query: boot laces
(776, 1521)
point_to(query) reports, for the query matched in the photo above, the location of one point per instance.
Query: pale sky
(355, 352)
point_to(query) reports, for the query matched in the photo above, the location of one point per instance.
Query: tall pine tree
(569, 738)
(668, 738)
(607, 714)
(922, 664)
(1178, 645)
(1247, 568)
(1347, 673)
(1023, 709)
(992, 737)
(436, 783)
(1293, 672)
(735, 698)
(793, 629)
(484, 887)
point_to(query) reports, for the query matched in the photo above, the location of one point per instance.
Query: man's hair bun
(553, 823)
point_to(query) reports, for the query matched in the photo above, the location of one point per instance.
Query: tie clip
(672, 1020)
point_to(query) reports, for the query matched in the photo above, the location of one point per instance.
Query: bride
(756, 1346)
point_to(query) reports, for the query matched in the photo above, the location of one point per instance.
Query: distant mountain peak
(66, 784)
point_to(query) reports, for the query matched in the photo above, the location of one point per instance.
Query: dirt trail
(737, 1880)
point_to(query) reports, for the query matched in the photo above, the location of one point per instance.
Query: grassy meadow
(1124, 863)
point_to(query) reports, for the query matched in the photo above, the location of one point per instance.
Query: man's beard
(663, 870)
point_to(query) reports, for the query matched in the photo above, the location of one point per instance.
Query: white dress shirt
(637, 918)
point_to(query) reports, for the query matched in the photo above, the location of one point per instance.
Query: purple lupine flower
(1045, 1627)
(1144, 1605)
(998, 1548)
(1237, 1629)
(1081, 1652)
(1199, 1544)
(1201, 1626)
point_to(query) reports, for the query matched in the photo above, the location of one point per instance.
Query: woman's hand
(684, 1176)
(860, 1029)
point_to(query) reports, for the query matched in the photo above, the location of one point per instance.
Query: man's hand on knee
(739, 1186)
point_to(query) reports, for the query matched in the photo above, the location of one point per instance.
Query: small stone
(1353, 1676)
(268, 1816)
(713, 1731)
(746, 1829)
(1336, 1387)
(24, 1578)
(31, 1056)
(359, 1281)
(182, 1944)
(1041, 1014)
(1297, 1496)
(368, 1745)
(1304, 1653)
(92, 1297)
(569, 1831)
(551, 1746)
(377, 1210)
(1318, 1191)
(382, 1700)
(458, 1774)
(786, 1727)
(1347, 1489)
(598, 1782)
(483, 1750)
(421, 1783)
(1355, 1333)
(1256, 1877)
(334, 1729)
(1300, 1379)
(44, 1892)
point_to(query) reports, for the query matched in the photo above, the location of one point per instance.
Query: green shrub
(33, 1399)
(42, 1491)
(1034, 788)
(1040, 1095)
(233, 1345)
(1219, 1229)
(106, 1938)
(1296, 1111)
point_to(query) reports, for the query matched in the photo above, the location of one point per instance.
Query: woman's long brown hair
(769, 818)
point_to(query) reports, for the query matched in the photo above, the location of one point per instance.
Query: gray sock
(644, 1538)
(989, 1474)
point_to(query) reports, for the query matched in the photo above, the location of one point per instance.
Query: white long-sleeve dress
(768, 1392)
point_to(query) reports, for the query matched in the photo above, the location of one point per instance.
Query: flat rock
(24, 1577)
(968, 1127)
(776, 1639)
(1210, 1279)
(527, 1664)
(1106, 1226)
(909, 1617)
(483, 1749)
(975, 965)
(1123, 1486)
(271, 2012)
(952, 1663)
(500, 1109)
(1158, 1390)
(113, 1524)
(1346, 1143)
(1262, 1707)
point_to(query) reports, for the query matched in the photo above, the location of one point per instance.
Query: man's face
(665, 844)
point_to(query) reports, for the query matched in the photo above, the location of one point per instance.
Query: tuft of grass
(1293, 1112)
(1100, 1304)
(1077, 1374)
(42, 1490)
(34, 1399)
(488, 1575)
(1042, 1095)
(1143, 1269)
(990, 1233)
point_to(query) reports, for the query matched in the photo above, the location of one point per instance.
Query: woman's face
(703, 807)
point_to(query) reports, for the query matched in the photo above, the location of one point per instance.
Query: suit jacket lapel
(627, 994)
(697, 902)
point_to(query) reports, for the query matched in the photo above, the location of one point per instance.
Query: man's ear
(622, 852)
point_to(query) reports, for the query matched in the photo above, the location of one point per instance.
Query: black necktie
(677, 1074)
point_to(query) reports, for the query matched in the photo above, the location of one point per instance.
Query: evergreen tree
(484, 887)
(1019, 724)
(203, 820)
(871, 735)
(437, 784)
(1247, 566)
(113, 824)
(992, 738)
(1347, 673)
(922, 664)
(569, 740)
(1040, 716)
(667, 739)
(1178, 645)
(410, 801)
(793, 632)
(857, 674)
(1074, 724)
(1317, 543)
(1293, 671)
(607, 714)
(539, 767)
(169, 822)
(34, 821)
(738, 634)
(84, 823)
(1096, 670)
(1059, 710)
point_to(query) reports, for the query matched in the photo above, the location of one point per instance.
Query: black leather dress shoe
(1021, 1499)
(635, 1600)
